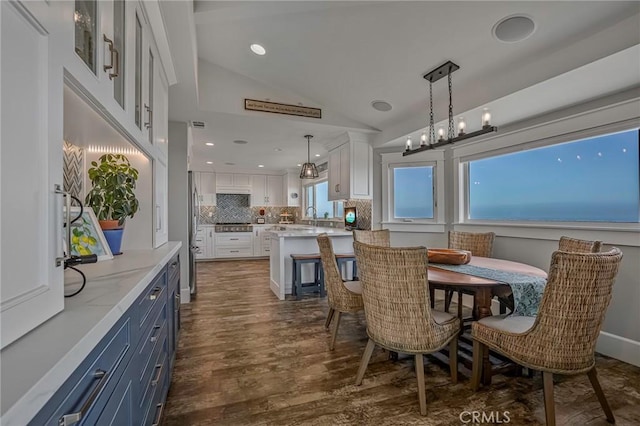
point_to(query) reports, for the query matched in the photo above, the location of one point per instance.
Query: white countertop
(306, 231)
(37, 364)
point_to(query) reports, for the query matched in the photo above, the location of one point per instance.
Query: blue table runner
(527, 290)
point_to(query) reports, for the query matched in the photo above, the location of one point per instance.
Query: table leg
(482, 309)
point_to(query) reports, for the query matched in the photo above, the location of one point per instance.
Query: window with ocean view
(413, 192)
(318, 197)
(589, 180)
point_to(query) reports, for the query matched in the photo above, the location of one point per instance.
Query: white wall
(178, 200)
(534, 245)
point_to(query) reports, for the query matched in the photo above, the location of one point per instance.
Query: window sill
(413, 226)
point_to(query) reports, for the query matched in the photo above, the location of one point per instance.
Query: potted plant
(112, 196)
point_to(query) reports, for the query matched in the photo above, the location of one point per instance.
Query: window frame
(311, 184)
(433, 158)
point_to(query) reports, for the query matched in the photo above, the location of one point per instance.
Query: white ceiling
(340, 56)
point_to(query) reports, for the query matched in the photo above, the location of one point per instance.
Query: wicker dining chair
(504, 294)
(479, 244)
(562, 338)
(396, 308)
(342, 296)
(376, 238)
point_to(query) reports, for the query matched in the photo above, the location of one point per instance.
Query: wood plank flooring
(246, 358)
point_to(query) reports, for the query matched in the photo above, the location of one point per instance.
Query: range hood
(233, 190)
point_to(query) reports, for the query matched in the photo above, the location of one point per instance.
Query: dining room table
(452, 277)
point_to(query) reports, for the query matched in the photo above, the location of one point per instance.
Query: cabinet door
(224, 179)
(258, 190)
(344, 188)
(275, 195)
(160, 111)
(118, 58)
(161, 232)
(31, 282)
(119, 409)
(242, 180)
(210, 241)
(207, 183)
(334, 174)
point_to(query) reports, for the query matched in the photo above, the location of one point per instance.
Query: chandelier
(428, 139)
(309, 169)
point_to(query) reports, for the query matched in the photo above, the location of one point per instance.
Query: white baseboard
(617, 347)
(185, 295)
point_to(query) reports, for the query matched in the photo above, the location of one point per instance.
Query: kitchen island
(286, 241)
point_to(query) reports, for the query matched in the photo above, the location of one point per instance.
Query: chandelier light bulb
(409, 143)
(440, 133)
(423, 139)
(486, 117)
(462, 125)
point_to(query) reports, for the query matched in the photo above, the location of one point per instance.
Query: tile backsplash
(224, 214)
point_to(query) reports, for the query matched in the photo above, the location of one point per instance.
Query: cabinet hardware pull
(156, 421)
(154, 338)
(158, 218)
(157, 379)
(149, 123)
(113, 52)
(73, 418)
(156, 292)
(234, 251)
(174, 264)
(110, 43)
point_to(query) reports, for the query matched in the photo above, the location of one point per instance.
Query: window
(412, 192)
(589, 180)
(318, 197)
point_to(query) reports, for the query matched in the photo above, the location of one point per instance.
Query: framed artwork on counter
(87, 236)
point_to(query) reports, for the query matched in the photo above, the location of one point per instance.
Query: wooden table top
(446, 277)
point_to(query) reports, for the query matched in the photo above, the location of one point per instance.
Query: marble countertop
(37, 364)
(305, 231)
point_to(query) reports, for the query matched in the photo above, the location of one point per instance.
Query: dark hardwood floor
(246, 358)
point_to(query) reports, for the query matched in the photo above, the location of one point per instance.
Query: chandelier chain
(432, 129)
(451, 134)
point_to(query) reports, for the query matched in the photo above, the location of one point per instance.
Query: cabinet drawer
(151, 344)
(90, 386)
(234, 251)
(154, 390)
(154, 368)
(152, 297)
(173, 271)
(233, 240)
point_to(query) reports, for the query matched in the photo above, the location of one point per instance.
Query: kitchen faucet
(315, 215)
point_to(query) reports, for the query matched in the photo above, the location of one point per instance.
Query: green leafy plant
(113, 182)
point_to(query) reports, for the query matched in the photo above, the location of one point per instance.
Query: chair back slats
(396, 299)
(479, 244)
(578, 246)
(573, 307)
(339, 297)
(375, 238)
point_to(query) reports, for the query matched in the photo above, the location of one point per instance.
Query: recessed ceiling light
(240, 142)
(209, 143)
(230, 164)
(317, 155)
(258, 49)
(260, 165)
(381, 106)
(513, 28)
(209, 162)
(277, 149)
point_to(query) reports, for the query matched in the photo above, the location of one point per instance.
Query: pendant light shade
(309, 169)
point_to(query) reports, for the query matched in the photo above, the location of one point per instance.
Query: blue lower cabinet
(125, 379)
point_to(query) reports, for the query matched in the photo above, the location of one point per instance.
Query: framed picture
(86, 235)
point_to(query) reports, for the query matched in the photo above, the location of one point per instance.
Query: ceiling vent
(197, 124)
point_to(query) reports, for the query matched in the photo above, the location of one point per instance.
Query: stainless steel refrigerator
(194, 224)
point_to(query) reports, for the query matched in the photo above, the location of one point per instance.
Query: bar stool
(317, 285)
(344, 259)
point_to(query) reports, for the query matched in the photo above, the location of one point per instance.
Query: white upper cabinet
(161, 212)
(292, 189)
(266, 190)
(351, 170)
(206, 184)
(31, 225)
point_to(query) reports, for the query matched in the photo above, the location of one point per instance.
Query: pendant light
(309, 170)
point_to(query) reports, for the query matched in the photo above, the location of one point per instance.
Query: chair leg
(453, 359)
(476, 368)
(422, 392)
(593, 377)
(432, 297)
(549, 405)
(336, 324)
(503, 307)
(366, 356)
(460, 308)
(329, 318)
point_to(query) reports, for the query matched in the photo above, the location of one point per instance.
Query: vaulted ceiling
(341, 56)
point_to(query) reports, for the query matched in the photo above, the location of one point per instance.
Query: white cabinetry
(233, 183)
(351, 171)
(206, 184)
(161, 215)
(292, 189)
(205, 241)
(233, 244)
(266, 190)
(31, 283)
(261, 241)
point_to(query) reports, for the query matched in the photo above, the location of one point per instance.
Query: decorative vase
(113, 234)
(109, 224)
